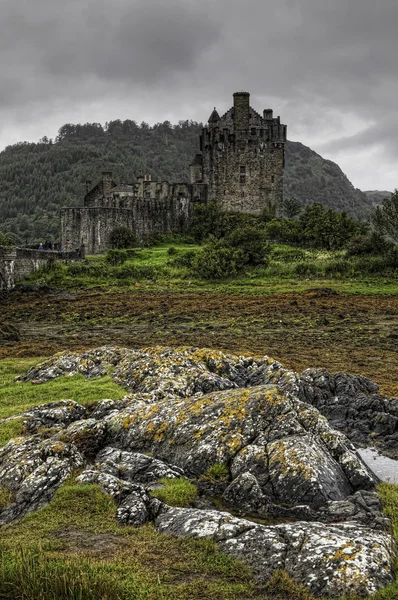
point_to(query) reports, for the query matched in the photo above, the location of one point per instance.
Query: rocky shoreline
(295, 496)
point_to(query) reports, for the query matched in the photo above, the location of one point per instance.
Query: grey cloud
(325, 63)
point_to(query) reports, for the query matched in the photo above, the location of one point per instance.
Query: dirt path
(319, 328)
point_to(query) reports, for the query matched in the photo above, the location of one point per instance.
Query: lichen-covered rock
(60, 413)
(330, 559)
(352, 404)
(264, 430)
(245, 495)
(88, 435)
(134, 466)
(156, 373)
(115, 487)
(136, 506)
(189, 410)
(34, 469)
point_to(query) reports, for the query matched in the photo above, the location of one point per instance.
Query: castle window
(243, 170)
(148, 195)
(273, 179)
(261, 132)
(243, 179)
(253, 130)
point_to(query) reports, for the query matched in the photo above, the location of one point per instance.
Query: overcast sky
(327, 67)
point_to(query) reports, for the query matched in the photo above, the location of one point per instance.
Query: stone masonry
(240, 166)
(242, 159)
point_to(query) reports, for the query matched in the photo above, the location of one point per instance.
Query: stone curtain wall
(17, 263)
(93, 226)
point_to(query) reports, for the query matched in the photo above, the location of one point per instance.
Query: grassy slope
(281, 275)
(76, 538)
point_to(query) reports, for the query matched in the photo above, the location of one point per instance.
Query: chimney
(241, 111)
(268, 114)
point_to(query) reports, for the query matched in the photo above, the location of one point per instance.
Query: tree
(291, 207)
(385, 218)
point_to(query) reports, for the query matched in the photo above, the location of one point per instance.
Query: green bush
(116, 256)
(306, 269)
(137, 272)
(89, 269)
(252, 241)
(185, 259)
(172, 251)
(123, 237)
(284, 231)
(338, 267)
(218, 261)
(176, 492)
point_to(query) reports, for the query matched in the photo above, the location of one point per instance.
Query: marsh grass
(176, 492)
(45, 556)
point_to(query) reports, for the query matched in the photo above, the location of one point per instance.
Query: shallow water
(385, 468)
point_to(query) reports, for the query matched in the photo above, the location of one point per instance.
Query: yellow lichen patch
(289, 461)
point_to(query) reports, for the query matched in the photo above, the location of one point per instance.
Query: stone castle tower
(242, 158)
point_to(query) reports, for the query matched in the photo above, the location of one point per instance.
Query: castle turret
(214, 117)
(241, 112)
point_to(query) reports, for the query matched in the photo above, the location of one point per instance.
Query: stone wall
(93, 226)
(17, 263)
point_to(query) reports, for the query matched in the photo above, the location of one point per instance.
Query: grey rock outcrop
(187, 410)
(331, 560)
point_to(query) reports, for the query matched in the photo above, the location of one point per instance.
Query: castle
(240, 166)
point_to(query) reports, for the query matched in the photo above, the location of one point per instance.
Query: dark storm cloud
(48, 43)
(329, 65)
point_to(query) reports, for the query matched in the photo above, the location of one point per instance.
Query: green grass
(17, 397)
(217, 472)
(41, 557)
(290, 269)
(176, 492)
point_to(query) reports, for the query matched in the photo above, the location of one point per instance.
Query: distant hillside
(38, 179)
(311, 178)
(377, 197)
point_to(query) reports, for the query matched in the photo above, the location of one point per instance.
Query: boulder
(331, 560)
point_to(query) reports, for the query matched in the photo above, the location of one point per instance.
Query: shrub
(184, 259)
(172, 251)
(218, 261)
(137, 272)
(284, 231)
(306, 269)
(251, 240)
(116, 256)
(123, 237)
(176, 492)
(338, 267)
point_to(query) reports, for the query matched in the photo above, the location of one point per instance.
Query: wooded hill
(39, 178)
